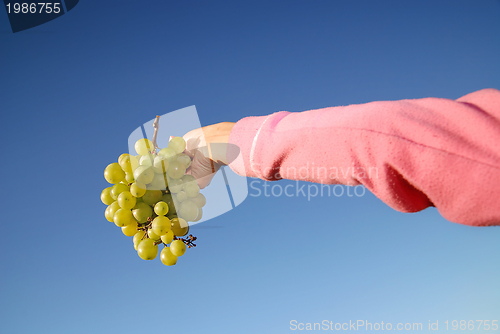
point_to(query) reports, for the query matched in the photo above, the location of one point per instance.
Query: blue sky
(73, 89)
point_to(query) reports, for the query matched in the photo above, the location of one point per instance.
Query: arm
(412, 154)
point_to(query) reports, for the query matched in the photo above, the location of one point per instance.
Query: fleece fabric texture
(411, 154)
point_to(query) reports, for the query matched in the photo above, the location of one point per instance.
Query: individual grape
(161, 208)
(200, 215)
(144, 174)
(121, 157)
(106, 196)
(123, 217)
(181, 196)
(138, 189)
(114, 173)
(167, 258)
(161, 225)
(147, 249)
(126, 200)
(184, 159)
(180, 227)
(142, 212)
(167, 237)
(192, 189)
(130, 230)
(176, 170)
(199, 200)
(128, 163)
(147, 160)
(110, 211)
(151, 197)
(167, 198)
(129, 177)
(153, 236)
(159, 182)
(160, 164)
(175, 185)
(108, 215)
(117, 189)
(138, 238)
(188, 210)
(178, 247)
(143, 146)
(188, 178)
(177, 144)
(168, 153)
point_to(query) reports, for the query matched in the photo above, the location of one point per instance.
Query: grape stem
(156, 125)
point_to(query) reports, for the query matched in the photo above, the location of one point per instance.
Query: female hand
(207, 146)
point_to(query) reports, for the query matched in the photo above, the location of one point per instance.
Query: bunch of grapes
(153, 199)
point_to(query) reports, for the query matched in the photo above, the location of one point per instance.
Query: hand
(207, 146)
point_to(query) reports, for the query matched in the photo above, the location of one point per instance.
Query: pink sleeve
(411, 154)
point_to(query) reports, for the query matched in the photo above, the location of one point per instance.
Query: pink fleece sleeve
(411, 154)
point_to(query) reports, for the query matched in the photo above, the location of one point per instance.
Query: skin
(207, 146)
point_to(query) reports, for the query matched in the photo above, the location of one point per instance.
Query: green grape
(108, 215)
(147, 160)
(123, 217)
(130, 230)
(167, 198)
(176, 170)
(114, 173)
(180, 227)
(106, 196)
(192, 189)
(151, 197)
(110, 211)
(177, 247)
(138, 189)
(200, 215)
(167, 237)
(142, 212)
(177, 144)
(159, 182)
(199, 200)
(168, 153)
(160, 164)
(138, 238)
(153, 236)
(161, 208)
(129, 177)
(181, 196)
(147, 249)
(188, 178)
(128, 163)
(161, 225)
(121, 157)
(184, 159)
(117, 189)
(188, 210)
(167, 258)
(143, 146)
(175, 185)
(126, 200)
(144, 174)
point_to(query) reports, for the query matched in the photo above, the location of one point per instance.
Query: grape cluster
(153, 199)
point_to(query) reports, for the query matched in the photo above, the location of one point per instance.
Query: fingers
(203, 169)
(194, 139)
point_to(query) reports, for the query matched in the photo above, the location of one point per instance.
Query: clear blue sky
(73, 89)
